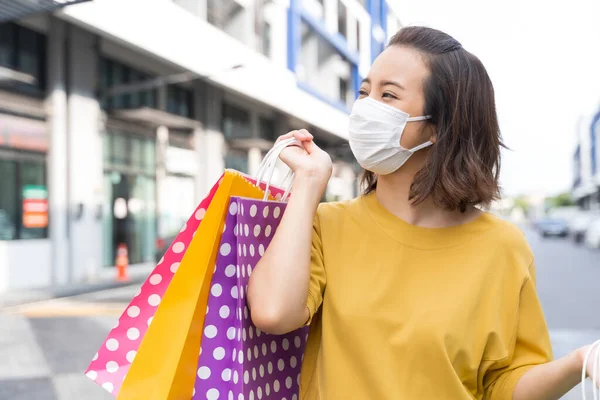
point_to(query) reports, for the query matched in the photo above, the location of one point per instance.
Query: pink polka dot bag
(113, 359)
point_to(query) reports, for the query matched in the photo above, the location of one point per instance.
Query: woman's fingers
(302, 135)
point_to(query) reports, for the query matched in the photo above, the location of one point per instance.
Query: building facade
(586, 163)
(116, 117)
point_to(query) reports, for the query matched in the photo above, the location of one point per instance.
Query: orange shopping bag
(165, 365)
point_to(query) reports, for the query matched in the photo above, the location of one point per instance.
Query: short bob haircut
(463, 166)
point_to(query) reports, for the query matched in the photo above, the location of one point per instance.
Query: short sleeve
(531, 345)
(317, 271)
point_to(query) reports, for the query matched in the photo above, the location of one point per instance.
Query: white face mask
(375, 133)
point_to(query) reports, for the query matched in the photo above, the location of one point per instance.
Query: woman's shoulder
(509, 241)
(338, 209)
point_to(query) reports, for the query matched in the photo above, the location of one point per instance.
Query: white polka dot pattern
(110, 365)
(237, 360)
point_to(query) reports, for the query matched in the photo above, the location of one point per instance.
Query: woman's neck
(393, 191)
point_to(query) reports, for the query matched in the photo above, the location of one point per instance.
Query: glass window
(7, 45)
(342, 19)
(113, 73)
(358, 35)
(237, 160)
(267, 129)
(9, 214)
(266, 39)
(23, 200)
(236, 122)
(23, 50)
(321, 67)
(28, 59)
(344, 88)
(179, 101)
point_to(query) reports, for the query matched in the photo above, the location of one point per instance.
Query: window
(342, 19)
(321, 67)
(266, 39)
(180, 101)
(267, 129)
(358, 35)
(23, 199)
(114, 73)
(344, 90)
(236, 122)
(125, 151)
(238, 160)
(24, 50)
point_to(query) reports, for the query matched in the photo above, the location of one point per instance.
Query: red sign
(35, 213)
(23, 133)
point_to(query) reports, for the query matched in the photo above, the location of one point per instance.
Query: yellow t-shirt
(403, 312)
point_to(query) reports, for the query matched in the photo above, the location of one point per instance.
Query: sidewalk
(137, 275)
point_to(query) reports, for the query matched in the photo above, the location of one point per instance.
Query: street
(45, 347)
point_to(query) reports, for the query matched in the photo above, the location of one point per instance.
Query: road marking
(76, 306)
(68, 308)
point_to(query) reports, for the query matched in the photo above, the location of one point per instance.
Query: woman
(411, 291)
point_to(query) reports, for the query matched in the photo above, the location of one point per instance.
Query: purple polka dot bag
(237, 361)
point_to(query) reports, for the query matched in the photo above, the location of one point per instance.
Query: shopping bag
(237, 360)
(165, 364)
(111, 363)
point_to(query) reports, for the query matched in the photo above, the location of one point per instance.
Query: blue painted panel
(293, 34)
(384, 21)
(336, 40)
(356, 80)
(595, 125)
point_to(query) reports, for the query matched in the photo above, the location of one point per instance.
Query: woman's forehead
(400, 64)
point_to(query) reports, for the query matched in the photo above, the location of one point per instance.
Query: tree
(561, 200)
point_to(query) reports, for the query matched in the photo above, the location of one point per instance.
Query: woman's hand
(590, 362)
(309, 161)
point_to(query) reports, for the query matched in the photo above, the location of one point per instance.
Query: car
(592, 237)
(552, 227)
(579, 226)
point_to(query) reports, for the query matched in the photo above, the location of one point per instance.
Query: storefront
(23, 191)
(129, 194)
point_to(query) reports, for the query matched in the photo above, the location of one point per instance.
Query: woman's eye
(362, 93)
(389, 96)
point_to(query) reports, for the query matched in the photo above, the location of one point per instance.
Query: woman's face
(396, 79)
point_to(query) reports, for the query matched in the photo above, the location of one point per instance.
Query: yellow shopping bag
(165, 365)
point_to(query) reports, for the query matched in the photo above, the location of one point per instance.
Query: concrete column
(85, 156)
(58, 153)
(162, 98)
(254, 160)
(209, 141)
(162, 142)
(349, 182)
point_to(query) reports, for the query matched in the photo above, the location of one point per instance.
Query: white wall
(260, 79)
(25, 264)
(276, 15)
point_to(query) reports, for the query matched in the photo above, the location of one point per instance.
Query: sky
(544, 60)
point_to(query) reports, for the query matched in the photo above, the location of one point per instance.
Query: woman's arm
(279, 285)
(552, 380)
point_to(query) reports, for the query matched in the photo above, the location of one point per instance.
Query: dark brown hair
(463, 166)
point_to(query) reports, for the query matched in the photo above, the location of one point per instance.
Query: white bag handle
(268, 164)
(596, 360)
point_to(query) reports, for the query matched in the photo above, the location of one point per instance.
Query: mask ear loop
(596, 361)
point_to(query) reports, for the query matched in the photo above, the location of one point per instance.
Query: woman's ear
(431, 133)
